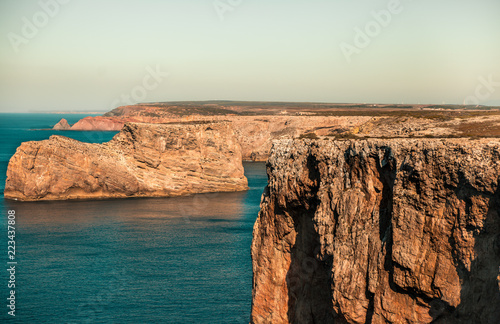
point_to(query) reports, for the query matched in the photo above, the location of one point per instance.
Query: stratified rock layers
(62, 125)
(379, 231)
(143, 160)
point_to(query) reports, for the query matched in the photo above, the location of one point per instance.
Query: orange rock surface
(62, 125)
(100, 123)
(379, 231)
(143, 160)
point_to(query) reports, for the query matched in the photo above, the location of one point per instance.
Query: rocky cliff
(143, 160)
(379, 231)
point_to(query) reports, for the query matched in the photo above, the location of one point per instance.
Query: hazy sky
(95, 55)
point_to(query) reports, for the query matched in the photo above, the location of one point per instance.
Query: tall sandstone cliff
(379, 231)
(143, 160)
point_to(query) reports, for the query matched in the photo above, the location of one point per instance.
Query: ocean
(150, 260)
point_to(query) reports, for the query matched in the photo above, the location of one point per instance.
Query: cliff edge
(143, 160)
(379, 231)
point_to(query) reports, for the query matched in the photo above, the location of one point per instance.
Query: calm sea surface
(170, 260)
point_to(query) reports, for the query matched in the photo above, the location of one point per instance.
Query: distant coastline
(72, 112)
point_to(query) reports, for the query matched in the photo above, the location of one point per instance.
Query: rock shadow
(480, 287)
(308, 279)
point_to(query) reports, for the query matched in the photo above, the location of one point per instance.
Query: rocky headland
(258, 124)
(143, 160)
(379, 231)
(62, 125)
(101, 123)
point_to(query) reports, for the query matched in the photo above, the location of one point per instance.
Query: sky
(90, 55)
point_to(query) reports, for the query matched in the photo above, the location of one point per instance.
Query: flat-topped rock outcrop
(143, 160)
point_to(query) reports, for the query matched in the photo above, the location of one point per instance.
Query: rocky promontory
(62, 125)
(258, 124)
(100, 123)
(379, 231)
(143, 160)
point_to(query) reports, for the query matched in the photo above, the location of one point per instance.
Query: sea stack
(379, 231)
(62, 125)
(143, 160)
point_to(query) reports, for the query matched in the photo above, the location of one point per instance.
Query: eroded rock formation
(143, 160)
(62, 125)
(379, 231)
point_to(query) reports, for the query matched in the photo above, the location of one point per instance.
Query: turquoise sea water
(170, 260)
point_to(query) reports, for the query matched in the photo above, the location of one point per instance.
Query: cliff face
(379, 231)
(143, 160)
(256, 134)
